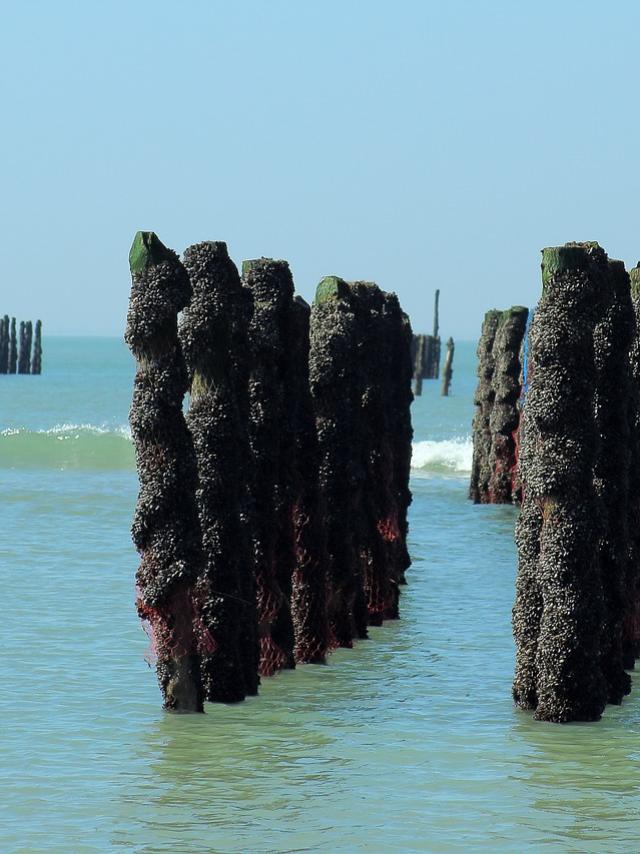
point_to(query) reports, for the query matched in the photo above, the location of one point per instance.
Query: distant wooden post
(28, 339)
(4, 344)
(36, 360)
(435, 356)
(22, 369)
(448, 369)
(418, 370)
(428, 365)
(13, 348)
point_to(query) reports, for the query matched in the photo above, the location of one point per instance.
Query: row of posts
(573, 463)
(272, 518)
(425, 355)
(16, 356)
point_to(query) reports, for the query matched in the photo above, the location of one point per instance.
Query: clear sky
(417, 144)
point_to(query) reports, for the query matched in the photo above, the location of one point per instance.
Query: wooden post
(271, 284)
(613, 336)
(504, 417)
(419, 366)
(333, 374)
(436, 319)
(631, 629)
(214, 337)
(559, 610)
(448, 369)
(483, 400)
(22, 340)
(4, 344)
(13, 347)
(36, 361)
(28, 340)
(306, 506)
(166, 529)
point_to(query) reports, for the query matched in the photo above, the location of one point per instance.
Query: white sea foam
(75, 430)
(445, 456)
(71, 431)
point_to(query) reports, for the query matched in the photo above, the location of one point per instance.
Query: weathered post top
(331, 288)
(572, 257)
(146, 251)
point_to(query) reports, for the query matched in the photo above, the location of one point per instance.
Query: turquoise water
(410, 742)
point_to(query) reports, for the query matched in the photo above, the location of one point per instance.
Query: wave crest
(87, 446)
(67, 446)
(447, 456)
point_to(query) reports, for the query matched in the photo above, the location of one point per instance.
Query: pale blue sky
(419, 144)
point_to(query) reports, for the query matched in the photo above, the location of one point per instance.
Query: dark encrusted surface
(213, 333)
(631, 630)
(36, 359)
(166, 529)
(559, 607)
(13, 347)
(447, 371)
(378, 511)
(4, 344)
(334, 381)
(483, 401)
(613, 335)
(24, 355)
(504, 416)
(309, 572)
(271, 285)
(397, 328)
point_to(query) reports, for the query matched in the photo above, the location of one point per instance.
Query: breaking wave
(67, 446)
(447, 456)
(90, 447)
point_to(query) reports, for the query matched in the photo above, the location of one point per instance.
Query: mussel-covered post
(271, 285)
(483, 400)
(166, 529)
(28, 337)
(36, 360)
(504, 416)
(335, 389)
(13, 347)
(447, 371)
(309, 583)
(4, 344)
(378, 531)
(23, 355)
(559, 607)
(213, 333)
(613, 335)
(631, 630)
(400, 426)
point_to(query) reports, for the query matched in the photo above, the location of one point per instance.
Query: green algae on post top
(331, 287)
(247, 266)
(515, 311)
(146, 250)
(571, 256)
(634, 277)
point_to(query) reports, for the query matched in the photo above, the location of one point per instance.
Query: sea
(408, 742)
